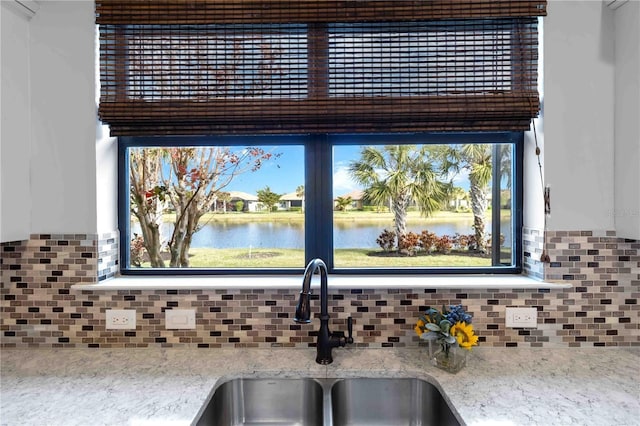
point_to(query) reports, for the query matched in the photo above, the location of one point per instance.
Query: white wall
(579, 114)
(69, 168)
(627, 120)
(533, 201)
(63, 117)
(15, 133)
(107, 180)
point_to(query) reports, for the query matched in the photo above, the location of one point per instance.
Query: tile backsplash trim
(39, 308)
(108, 255)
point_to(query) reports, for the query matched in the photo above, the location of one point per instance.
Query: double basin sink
(327, 402)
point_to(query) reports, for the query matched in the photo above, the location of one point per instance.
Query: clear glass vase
(451, 358)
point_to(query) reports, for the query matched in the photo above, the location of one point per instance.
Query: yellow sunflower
(419, 328)
(464, 334)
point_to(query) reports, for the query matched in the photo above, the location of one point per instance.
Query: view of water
(291, 235)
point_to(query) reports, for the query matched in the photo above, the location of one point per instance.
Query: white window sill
(293, 282)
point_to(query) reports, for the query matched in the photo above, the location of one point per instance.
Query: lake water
(291, 235)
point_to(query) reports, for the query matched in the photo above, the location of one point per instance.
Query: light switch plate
(180, 319)
(521, 317)
(120, 319)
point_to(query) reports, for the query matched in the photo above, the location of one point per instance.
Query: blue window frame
(321, 154)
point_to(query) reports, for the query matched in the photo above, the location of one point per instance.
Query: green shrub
(377, 209)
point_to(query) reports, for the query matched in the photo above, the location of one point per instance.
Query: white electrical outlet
(521, 317)
(180, 319)
(121, 319)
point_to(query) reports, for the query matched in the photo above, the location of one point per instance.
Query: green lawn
(291, 258)
(365, 258)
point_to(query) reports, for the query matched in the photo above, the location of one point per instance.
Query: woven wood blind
(218, 67)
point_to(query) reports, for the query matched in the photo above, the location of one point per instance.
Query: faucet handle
(349, 339)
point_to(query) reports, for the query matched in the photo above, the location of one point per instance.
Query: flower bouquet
(447, 331)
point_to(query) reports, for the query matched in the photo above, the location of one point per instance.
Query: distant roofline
(356, 194)
(243, 195)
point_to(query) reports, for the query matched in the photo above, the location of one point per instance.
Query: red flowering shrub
(408, 243)
(387, 240)
(444, 244)
(427, 241)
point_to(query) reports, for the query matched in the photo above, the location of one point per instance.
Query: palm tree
(300, 193)
(476, 160)
(398, 175)
(454, 196)
(223, 198)
(342, 203)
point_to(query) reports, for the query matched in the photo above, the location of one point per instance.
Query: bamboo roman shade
(186, 67)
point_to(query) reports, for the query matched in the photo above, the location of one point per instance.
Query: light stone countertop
(499, 386)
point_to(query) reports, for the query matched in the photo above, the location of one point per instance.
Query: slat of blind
(436, 75)
(490, 112)
(296, 11)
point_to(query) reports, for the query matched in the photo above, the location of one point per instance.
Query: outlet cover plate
(521, 317)
(121, 319)
(180, 319)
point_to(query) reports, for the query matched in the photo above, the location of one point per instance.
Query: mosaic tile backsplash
(40, 309)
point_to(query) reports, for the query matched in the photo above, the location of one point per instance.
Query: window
(420, 204)
(419, 85)
(364, 203)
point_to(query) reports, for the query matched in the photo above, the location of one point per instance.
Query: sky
(284, 174)
(285, 171)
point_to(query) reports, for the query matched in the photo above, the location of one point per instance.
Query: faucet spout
(326, 340)
(303, 309)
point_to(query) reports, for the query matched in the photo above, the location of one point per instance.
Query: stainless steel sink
(390, 401)
(276, 402)
(327, 402)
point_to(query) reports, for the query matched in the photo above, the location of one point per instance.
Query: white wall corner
(626, 210)
(24, 8)
(615, 4)
(15, 139)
